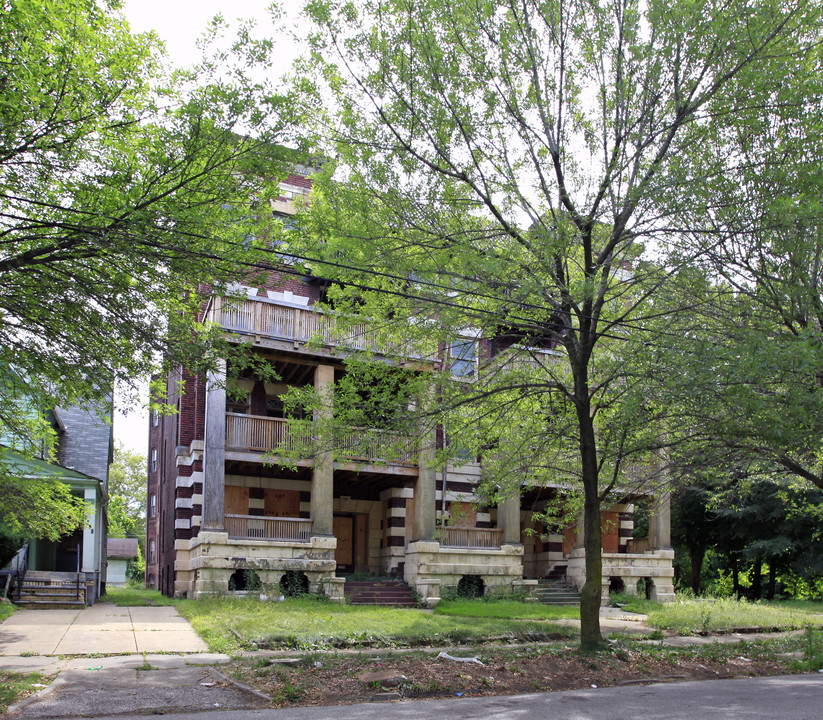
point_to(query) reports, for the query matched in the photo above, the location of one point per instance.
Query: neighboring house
(220, 506)
(82, 456)
(120, 552)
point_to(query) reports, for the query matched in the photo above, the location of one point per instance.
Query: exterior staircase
(43, 590)
(555, 590)
(395, 593)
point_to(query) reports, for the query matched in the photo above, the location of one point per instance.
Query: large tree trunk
(772, 581)
(591, 594)
(696, 555)
(757, 580)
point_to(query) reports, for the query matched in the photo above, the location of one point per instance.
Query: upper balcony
(362, 446)
(296, 328)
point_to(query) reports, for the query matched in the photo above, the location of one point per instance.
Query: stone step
(51, 605)
(553, 591)
(394, 593)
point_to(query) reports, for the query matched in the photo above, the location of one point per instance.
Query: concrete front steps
(51, 591)
(554, 590)
(394, 593)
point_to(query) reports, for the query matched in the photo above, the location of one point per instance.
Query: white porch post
(91, 532)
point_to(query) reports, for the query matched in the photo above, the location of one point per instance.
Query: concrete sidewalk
(101, 629)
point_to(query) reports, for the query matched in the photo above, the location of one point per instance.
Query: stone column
(214, 450)
(425, 508)
(580, 529)
(660, 522)
(508, 518)
(322, 479)
(88, 562)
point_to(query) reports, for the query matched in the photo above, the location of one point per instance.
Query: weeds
(16, 686)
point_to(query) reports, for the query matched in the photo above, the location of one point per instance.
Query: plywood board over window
(610, 532)
(344, 532)
(281, 503)
(236, 500)
(361, 547)
(463, 514)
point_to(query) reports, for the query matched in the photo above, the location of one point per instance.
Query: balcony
(366, 445)
(256, 527)
(472, 537)
(294, 324)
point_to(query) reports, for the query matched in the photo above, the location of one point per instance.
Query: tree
(124, 191)
(501, 163)
(127, 494)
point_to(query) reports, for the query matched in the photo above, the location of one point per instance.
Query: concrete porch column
(214, 450)
(660, 522)
(425, 508)
(322, 479)
(508, 518)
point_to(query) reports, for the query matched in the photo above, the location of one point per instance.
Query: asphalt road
(794, 697)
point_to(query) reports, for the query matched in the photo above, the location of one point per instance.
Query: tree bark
(696, 555)
(735, 577)
(772, 581)
(591, 594)
(757, 580)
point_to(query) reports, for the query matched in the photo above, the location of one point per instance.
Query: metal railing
(260, 527)
(472, 537)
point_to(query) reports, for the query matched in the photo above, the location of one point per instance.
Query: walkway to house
(101, 629)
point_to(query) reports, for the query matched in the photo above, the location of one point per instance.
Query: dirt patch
(332, 680)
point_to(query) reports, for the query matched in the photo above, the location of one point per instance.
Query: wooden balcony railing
(258, 527)
(264, 434)
(373, 445)
(469, 537)
(287, 322)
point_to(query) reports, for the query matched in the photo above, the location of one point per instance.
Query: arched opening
(244, 581)
(616, 585)
(645, 588)
(294, 583)
(471, 586)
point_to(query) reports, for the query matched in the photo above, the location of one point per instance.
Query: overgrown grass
(230, 625)
(136, 597)
(504, 608)
(725, 615)
(16, 686)
(6, 610)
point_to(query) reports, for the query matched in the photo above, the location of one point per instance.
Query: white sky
(179, 23)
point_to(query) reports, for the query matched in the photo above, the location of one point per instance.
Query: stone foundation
(431, 568)
(205, 563)
(654, 565)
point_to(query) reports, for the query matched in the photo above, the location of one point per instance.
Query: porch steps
(51, 591)
(555, 590)
(394, 593)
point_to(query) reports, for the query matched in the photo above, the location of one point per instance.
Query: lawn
(6, 609)
(230, 625)
(686, 617)
(136, 597)
(506, 609)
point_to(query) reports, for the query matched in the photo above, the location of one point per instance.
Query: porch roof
(16, 463)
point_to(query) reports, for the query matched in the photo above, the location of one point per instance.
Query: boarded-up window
(344, 532)
(569, 539)
(282, 503)
(610, 532)
(236, 500)
(462, 514)
(361, 545)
